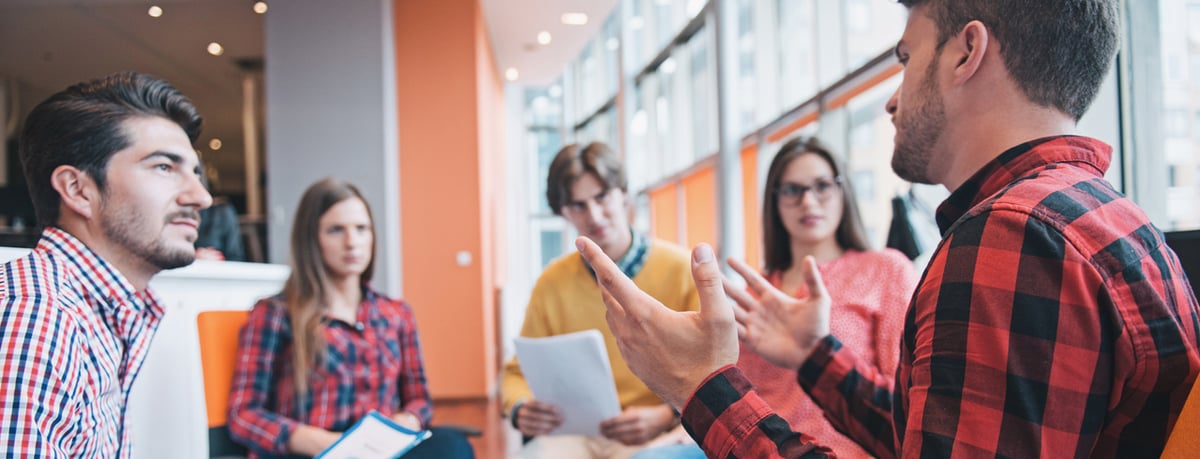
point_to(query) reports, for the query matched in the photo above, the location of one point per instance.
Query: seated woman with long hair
(329, 349)
(809, 208)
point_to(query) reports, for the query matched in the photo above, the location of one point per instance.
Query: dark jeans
(444, 444)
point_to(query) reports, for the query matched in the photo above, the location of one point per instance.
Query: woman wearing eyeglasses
(809, 209)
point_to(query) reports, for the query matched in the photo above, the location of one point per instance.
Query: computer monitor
(1186, 244)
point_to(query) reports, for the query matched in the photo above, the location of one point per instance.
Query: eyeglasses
(792, 194)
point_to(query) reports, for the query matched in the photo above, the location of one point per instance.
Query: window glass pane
(797, 56)
(872, 27)
(545, 143)
(551, 245)
(746, 100)
(1179, 40)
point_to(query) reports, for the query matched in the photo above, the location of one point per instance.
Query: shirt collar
(99, 278)
(635, 258)
(1017, 162)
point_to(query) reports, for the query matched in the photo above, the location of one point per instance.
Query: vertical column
(250, 130)
(723, 17)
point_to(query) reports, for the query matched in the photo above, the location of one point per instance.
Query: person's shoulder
(567, 266)
(270, 312)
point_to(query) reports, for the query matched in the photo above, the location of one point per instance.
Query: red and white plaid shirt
(372, 364)
(1052, 321)
(73, 335)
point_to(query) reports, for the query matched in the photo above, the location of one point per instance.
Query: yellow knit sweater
(566, 299)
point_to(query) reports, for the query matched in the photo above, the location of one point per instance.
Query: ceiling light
(154, 11)
(612, 43)
(216, 49)
(511, 74)
(214, 144)
(260, 7)
(543, 37)
(574, 18)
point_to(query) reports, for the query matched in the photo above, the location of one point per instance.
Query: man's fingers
(753, 279)
(709, 285)
(743, 299)
(812, 279)
(609, 276)
(613, 306)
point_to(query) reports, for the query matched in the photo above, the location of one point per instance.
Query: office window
(872, 27)
(1165, 183)
(797, 46)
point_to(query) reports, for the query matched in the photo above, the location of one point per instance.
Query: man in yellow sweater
(587, 187)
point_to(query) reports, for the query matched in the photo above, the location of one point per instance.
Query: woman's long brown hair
(306, 291)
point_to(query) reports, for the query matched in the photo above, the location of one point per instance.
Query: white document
(572, 372)
(374, 437)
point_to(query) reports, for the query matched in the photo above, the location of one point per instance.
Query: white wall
(330, 97)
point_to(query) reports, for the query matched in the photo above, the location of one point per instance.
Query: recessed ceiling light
(155, 11)
(214, 144)
(216, 49)
(511, 74)
(260, 7)
(574, 18)
(543, 37)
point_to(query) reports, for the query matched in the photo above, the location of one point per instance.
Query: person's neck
(988, 129)
(345, 292)
(621, 247)
(134, 269)
(825, 251)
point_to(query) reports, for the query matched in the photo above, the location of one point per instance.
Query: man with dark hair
(1052, 320)
(115, 182)
(586, 185)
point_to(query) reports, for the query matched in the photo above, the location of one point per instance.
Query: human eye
(790, 190)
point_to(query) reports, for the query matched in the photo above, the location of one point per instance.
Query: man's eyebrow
(172, 157)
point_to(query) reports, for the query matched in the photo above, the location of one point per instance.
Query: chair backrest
(1184, 440)
(218, 331)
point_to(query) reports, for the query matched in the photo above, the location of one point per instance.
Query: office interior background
(447, 114)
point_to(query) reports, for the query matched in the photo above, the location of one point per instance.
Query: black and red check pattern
(1052, 321)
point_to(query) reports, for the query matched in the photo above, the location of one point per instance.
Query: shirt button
(359, 326)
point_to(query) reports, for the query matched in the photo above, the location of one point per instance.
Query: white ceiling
(47, 45)
(514, 25)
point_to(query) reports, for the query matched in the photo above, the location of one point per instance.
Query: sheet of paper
(571, 371)
(374, 437)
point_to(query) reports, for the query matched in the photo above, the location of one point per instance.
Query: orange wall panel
(751, 208)
(664, 213)
(442, 212)
(700, 206)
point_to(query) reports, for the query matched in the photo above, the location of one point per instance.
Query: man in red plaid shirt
(1053, 320)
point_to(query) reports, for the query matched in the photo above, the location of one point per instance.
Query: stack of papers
(374, 437)
(572, 372)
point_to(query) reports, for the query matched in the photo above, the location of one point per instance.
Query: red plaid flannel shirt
(373, 364)
(1052, 321)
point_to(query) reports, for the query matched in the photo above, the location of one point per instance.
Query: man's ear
(76, 189)
(969, 47)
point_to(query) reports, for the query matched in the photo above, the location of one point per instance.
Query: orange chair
(1184, 441)
(218, 332)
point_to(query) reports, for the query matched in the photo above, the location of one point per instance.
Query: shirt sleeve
(414, 392)
(1011, 354)
(42, 384)
(728, 419)
(262, 340)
